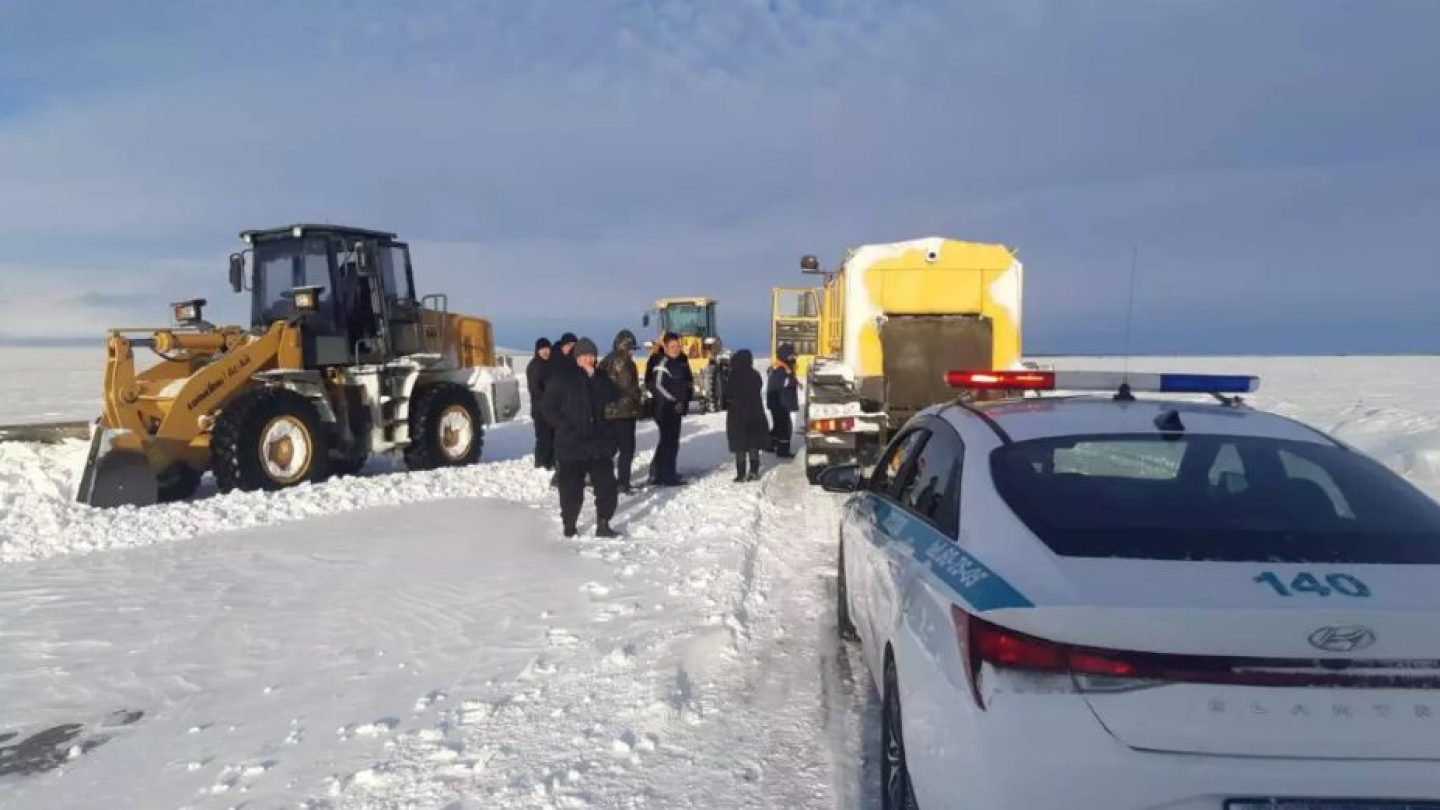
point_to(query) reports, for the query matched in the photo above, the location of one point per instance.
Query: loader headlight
(307, 299)
(189, 313)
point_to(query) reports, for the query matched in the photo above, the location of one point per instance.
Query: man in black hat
(564, 351)
(783, 398)
(584, 444)
(537, 376)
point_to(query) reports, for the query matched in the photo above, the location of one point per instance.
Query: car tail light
(1098, 670)
(840, 425)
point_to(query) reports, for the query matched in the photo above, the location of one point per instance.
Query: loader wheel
(446, 429)
(348, 465)
(269, 439)
(177, 483)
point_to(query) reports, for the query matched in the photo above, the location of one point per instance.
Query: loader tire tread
(234, 444)
(426, 408)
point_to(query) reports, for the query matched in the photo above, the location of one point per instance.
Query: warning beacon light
(1028, 380)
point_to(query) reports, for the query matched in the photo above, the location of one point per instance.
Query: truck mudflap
(115, 476)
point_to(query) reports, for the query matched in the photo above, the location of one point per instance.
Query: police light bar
(1140, 382)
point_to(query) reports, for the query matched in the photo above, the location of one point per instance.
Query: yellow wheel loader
(693, 319)
(341, 360)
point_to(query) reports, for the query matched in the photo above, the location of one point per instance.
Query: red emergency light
(1002, 380)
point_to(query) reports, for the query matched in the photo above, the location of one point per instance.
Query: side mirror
(845, 478)
(645, 320)
(237, 272)
(810, 263)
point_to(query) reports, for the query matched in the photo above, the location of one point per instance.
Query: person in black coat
(673, 386)
(783, 398)
(564, 356)
(745, 426)
(537, 376)
(584, 444)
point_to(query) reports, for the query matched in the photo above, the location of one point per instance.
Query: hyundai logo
(1343, 638)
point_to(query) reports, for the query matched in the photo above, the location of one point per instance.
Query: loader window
(395, 268)
(688, 319)
(281, 265)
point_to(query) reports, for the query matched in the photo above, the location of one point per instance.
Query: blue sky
(559, 163)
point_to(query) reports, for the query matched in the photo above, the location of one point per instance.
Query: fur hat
(585, 346)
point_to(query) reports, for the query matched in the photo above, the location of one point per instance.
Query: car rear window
(1232, 498)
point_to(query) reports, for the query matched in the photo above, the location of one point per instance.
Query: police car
(1105, 601)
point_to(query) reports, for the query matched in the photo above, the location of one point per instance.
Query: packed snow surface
(429, 640)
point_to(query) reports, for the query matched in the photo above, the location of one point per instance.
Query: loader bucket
(115, 477)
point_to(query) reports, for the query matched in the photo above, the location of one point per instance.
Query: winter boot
(570, 531)
(603, 529)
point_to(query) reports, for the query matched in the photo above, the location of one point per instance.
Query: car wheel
(845, 627)
(896, 792)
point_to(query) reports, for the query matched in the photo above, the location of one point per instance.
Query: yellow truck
(892, 319)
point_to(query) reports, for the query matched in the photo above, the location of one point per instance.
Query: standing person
(745, 427)
(537, 376)
(783, 398)
(564, 351)
(673, 386)
(622, 414)
(584, 444)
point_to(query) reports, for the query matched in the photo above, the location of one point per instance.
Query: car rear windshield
(1215, 498)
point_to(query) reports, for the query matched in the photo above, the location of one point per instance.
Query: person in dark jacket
(584, 444)
(537, 376)
(783, 398)
(673, 386)
(564, 351)
(622, 414)
(745, 425)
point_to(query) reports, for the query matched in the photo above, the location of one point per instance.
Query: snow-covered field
(429, 640)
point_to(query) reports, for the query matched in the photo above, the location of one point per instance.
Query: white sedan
(1103, 602)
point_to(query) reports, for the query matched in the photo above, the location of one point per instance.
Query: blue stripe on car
(976, 583)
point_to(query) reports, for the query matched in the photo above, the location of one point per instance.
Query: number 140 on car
(1306, 583)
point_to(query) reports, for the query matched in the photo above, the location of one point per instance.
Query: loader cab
(688, 318)
(363, 282)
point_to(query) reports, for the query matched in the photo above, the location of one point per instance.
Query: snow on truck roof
(919, 253)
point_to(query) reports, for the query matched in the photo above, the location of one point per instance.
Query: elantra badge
(1343, 638)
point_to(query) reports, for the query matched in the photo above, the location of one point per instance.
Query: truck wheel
(177, 483)
(269, 439)
(446, 429)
